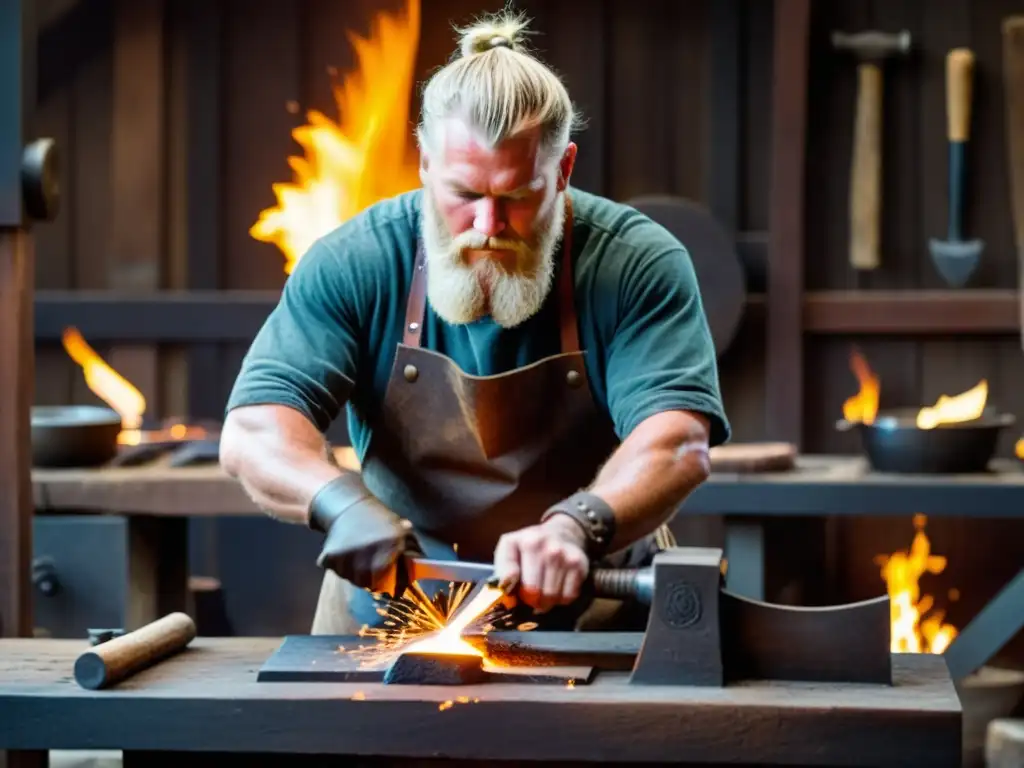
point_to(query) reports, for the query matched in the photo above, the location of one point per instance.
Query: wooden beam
(784, 366)
(912, 312)
(236, 316)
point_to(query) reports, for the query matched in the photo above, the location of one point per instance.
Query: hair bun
(507, 32)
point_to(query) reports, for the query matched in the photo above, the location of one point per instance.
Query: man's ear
(424, 163)
(565, 166)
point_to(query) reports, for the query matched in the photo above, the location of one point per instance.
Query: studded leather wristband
(595, 517)
(333, 498)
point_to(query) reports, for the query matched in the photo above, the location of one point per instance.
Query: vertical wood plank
(16, 377)
(54, 248)
(582, 59)
(90, 205)
(786, 239)
(725, 114)
(261, 78)
(684, 53)
(204, 171)
(138, 170)
(757, 95)
(901, 238)
(833, 81)
(637, 93)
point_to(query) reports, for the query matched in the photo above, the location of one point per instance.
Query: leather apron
(468, 458)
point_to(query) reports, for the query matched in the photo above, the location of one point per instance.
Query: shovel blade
(956, 260)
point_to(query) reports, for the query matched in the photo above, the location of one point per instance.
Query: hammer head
(873, 45)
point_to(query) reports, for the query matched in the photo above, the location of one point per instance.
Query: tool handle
(959, 89)
(115, 660)
(866, 172)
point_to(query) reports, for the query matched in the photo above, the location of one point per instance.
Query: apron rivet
(411, 373)
(413, 326)
(573, 378)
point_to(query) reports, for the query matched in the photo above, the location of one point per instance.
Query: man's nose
(489, 218)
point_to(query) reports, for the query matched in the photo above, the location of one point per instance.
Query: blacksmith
(526, 368)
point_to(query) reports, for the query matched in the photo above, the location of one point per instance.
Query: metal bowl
(74, 435)
(894, 442)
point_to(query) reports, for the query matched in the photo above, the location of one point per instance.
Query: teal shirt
(330, 342)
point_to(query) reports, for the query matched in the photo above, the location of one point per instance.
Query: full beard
(462, 293)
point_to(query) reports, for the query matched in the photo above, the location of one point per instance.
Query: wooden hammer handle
(866, 172)
(111, 662)
(959, 75)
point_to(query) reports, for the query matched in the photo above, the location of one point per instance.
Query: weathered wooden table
(158, 501)
(207, 700)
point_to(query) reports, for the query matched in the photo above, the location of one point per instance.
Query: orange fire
(119, 393)
(862, 407)
(1019, 449)
(367, 156)
(913, 630)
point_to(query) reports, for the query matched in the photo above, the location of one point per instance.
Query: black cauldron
(894, 442)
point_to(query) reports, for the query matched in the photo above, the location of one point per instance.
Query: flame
(1019, 449)
(862, 407)
(107, 384)
(368, 156)
(913, 631)
(966, 406)
(121, 395)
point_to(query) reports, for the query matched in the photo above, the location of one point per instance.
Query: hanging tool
(871, 48)
(956, 258)
(1013, 79)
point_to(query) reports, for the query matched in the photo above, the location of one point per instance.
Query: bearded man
(527, 370)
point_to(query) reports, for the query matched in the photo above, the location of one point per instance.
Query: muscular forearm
(279, 458)
(654, 469)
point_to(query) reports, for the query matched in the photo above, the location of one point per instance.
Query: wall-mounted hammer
(871, 49)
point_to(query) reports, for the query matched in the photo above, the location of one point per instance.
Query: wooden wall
(174, 123)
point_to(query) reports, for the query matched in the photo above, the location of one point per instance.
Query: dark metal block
(435, 669)
(683, 645)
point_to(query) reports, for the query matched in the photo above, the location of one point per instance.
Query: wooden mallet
(115, 660)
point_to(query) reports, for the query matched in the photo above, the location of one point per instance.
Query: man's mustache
(475, 241)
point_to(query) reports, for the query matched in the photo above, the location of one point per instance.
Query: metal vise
(700, 634)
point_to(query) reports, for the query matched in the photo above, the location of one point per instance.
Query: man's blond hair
(499, 88)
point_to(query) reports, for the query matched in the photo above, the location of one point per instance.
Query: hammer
(871, 48)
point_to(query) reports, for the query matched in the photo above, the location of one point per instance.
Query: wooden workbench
(207, 700)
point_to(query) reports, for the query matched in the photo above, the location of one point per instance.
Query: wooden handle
(113, 661)
(866, 173)
(959, 75)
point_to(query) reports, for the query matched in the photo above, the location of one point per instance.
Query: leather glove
(364, 538)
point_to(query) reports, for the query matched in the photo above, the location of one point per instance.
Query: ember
(414, 625)
(367, 156)
(913, 630)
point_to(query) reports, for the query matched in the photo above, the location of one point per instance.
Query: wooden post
(16, 334)
(16, 386)
(786, 223)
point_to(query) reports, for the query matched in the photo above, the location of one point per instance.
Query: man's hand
(363, 544)
(548, 560)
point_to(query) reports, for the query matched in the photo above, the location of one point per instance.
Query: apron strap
(415, 309)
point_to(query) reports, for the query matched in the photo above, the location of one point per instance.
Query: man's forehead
(465, 150)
